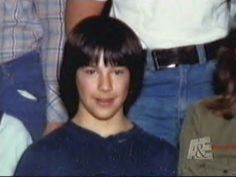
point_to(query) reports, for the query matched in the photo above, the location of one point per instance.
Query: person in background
(181, 39)
(98, 83)
(207, 143)
(31, 44)
(14, 139)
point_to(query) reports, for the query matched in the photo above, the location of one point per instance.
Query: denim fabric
(22, 92)
(166, 96)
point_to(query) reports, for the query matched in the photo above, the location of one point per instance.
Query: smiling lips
(105, 102)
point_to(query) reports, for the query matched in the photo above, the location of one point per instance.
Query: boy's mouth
(105, 102)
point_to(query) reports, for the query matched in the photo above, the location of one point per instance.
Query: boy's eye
(89, 71)
(119, 71)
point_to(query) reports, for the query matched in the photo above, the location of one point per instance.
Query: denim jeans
(22, 92)
(166, 96)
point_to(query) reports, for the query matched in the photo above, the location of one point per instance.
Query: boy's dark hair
(84, 45)
(225, 106)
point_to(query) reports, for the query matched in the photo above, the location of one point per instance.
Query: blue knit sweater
(75, 151)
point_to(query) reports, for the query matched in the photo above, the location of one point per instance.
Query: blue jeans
(166, 96)
(22, 92)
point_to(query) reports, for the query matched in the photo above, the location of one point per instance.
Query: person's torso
(169, 23)
(218, 136)
(83, 153)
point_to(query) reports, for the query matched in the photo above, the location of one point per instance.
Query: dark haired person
(101, 75)
(181, 39)
(208, 139)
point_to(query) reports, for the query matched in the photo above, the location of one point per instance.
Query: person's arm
(233, 13)
(232, 6)
(77, 10)
(22, 141)
(51, 15)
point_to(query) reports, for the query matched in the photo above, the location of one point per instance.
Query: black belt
(173, 57)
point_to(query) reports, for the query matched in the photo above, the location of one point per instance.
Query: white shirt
(14, 139)
(174, 23)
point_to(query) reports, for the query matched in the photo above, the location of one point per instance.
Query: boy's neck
(104, 128)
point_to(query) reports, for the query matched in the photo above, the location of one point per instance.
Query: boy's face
(102, 90)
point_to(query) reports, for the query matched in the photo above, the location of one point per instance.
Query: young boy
(101, 77)
(14, 139)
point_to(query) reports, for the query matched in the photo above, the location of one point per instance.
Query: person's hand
(51, 126)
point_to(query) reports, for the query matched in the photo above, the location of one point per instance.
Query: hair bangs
(90, 56)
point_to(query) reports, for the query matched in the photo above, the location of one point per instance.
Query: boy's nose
(105, 83)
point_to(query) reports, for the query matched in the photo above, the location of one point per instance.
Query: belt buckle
(162, 58)
(173, 65)
(170, 66)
